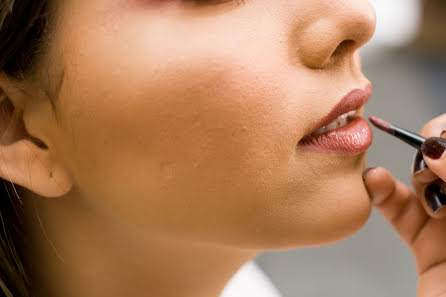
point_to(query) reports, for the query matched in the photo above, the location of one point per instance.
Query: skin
(170, 137)
(407, 211)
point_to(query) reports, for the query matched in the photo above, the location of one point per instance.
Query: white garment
(249, 281)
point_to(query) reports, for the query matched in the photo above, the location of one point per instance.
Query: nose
(336, 30)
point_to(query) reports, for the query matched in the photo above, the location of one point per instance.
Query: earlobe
(26, 160)
(28, 165)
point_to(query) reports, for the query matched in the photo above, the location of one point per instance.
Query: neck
(82, 254)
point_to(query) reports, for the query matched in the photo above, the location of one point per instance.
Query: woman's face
(183, 118)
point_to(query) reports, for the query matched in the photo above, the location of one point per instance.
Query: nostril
(343, 48)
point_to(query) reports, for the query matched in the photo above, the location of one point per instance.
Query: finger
(431, 282)
(396, 203)
(428, 246)
(420, 172)
(430, 196)
(434, 127)
(434, 151)
(434, 148)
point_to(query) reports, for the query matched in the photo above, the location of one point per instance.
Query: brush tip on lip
(380, 123)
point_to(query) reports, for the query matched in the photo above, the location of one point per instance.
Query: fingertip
(434, 148)
(434, 127)
(436, 166)
(366, 172)
(374, 175)
(379, 183)
(424, 176)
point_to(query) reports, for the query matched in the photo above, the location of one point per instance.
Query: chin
(328, 215)
(351, 214)
(348, 223)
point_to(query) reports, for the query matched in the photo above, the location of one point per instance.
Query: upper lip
(352, 101)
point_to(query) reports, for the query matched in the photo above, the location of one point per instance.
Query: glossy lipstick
(351, 139)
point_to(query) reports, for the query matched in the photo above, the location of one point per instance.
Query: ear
(26, 160)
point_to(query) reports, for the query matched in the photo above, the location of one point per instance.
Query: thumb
(434, 151)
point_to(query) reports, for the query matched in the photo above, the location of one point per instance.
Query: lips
(352, 101)
(350, 139)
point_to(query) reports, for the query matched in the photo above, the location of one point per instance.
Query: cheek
(195, 130)
(181, 98)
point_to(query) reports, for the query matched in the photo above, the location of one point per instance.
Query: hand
(429, 180)
(418, 217)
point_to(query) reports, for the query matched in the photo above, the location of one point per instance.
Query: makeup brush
(408, 137)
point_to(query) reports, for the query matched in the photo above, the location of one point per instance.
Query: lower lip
(353, 138)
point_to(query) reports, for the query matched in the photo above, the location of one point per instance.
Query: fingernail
(364, 174)
(418, 164)
(443, 134)
(434, 147)
(435, 197)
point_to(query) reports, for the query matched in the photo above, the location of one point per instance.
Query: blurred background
(406, 62)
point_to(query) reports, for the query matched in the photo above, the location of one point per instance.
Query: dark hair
(23, 25)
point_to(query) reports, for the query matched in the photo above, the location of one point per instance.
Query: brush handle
(408, 137)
